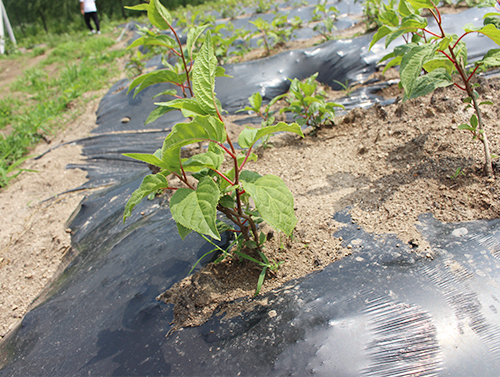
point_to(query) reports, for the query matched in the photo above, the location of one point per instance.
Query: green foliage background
(30, 17)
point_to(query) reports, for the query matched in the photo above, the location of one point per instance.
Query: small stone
(272, 313)
(341, 239)
(67, 230)
(442, 187)
(125, 120)
(30, 276)
(142, 213)
(14, 307)
(429, 255)
(490, 180)
(398, 245)
(349, 246)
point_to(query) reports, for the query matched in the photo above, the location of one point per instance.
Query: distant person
(89, 11)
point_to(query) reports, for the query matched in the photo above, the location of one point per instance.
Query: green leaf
(389, 17)
(439, 78)
(204, 76)
(465, 126)
(439, 62)
(412, 63)
(262, 276)
(489, 30)
(208, 160)
(188, 106)
(413, 22)
(138, 7)
(156, 77)
(249, 176)
(227, 201)
(158, 40)
(405, 8)
(183, 231)
(274, 202)
(193, 34)
(147, 158)
(381, 33)
(473, 121)
(156, 113)
(249, 136)
(419, 4)
(486, 103)
(201, 128)
(168, 92)
(255, 101)
(197, 209)
(159, 15)
(492, 58)
(150, 183)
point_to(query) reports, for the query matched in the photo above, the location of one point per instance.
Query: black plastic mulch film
(383, 311)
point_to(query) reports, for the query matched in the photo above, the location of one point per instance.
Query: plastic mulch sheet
(383, 311)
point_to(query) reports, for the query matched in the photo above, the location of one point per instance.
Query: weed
(278, 32)
(346, 88)
(457, 173)
(195, 207)
(438, 55)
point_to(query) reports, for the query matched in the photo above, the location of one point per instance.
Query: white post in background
(3, 17)
(2, 34)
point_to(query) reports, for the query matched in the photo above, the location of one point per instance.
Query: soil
(387, 165)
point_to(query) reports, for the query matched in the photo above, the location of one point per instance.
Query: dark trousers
(93, 16)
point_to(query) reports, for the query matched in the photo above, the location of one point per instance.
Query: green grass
(38, 101)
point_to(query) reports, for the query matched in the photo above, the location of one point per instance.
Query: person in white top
(89, 11)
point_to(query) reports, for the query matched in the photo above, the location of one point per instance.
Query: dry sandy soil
(388, 165)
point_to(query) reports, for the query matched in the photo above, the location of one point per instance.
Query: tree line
(58, 15)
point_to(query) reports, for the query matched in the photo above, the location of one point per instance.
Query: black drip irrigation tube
(383, 311)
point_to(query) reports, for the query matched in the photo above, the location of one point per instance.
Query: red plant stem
(475, 69)
(449, 58)
(463, 35)
(183, 58)
(223, 176)
(432, 33)
(184, 180)
(438, 20)
(459, 87)
(175, 52)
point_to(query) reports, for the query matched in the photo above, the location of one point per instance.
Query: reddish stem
(474, 71)
(463, 35)
(459, 87)
(223, 176)
(432, 33)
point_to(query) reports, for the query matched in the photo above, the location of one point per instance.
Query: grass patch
(87, 64)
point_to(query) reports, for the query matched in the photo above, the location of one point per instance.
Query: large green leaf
(147, 158)
(158, 112)
(440, 61)
(419, 4)
(159, 40)
(204, 70)
(249, 136)
(197, 209)
(158, 15)
(138, 7)
(405, 8)
(389, 18)
(193, 34)
(413, 22)
(200, 161)
(489, 30)
(188, 106)
(492, 58)
(150, 183)
(412, 63)
(156, 77)
(199, 129)
(273, 201)
(438, 78)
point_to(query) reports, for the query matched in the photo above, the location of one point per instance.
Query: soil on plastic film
(387, 165)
